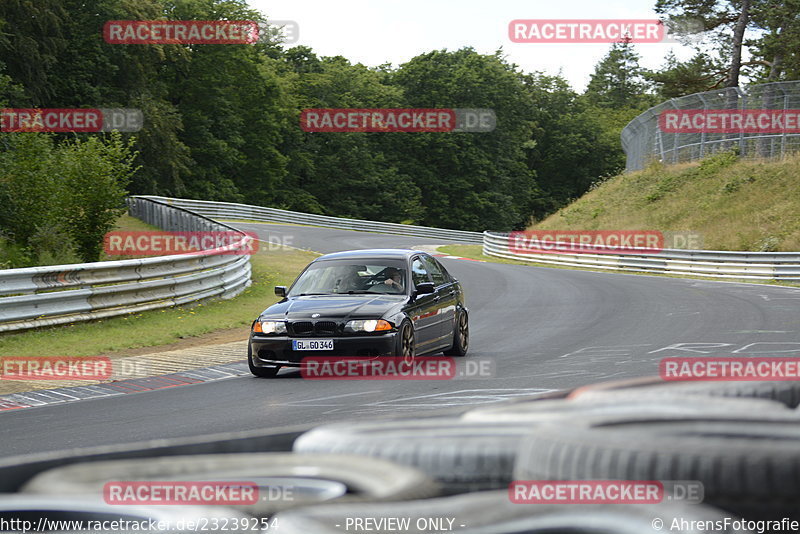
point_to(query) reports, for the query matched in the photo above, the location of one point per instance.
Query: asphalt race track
(542, 328)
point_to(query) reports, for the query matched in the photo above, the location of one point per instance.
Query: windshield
(350, 277)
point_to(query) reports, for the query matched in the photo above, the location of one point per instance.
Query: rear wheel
(261, 372)
(460, 336)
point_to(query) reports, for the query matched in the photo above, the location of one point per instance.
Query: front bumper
(277, 350)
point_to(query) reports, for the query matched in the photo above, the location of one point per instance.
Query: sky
(374, 32)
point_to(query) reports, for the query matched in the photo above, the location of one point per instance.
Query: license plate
(312, 344)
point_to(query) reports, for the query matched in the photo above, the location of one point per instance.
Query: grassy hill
(733, 204)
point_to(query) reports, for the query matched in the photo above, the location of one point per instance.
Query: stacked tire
(740, 441)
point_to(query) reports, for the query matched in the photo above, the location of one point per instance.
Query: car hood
(333, 306)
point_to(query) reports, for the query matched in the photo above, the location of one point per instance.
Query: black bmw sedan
(366, 303)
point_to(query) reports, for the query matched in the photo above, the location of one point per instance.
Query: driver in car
(394, 279)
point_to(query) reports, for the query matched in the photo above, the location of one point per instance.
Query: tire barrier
(785, 392)
(748, 463)
(461, 456)
(16, 470)
(283, 480)
(544, 411)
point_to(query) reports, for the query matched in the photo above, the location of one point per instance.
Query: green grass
(131, 224)
(253, 221)
(126, 223)
(154, 328)
(475, 252)
(734, 204)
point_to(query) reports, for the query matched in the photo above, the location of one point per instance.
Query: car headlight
(269, 327)
(367, 325)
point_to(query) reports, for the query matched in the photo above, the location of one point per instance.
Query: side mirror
(425, 288)
(280, 291)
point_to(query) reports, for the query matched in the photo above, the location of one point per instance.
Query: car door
(446, 303)
(424, 309)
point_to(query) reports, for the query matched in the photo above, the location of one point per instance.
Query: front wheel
(460, 336)
(260, 372)
(406, 344)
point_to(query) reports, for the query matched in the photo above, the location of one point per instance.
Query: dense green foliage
(222, 122)
(57, 201)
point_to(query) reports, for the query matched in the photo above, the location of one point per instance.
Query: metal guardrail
(719, 264)
(61, 294)
(232, 211)
(711, 263)
(643, 140)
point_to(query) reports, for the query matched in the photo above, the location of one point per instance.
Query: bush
(94, 175)
(57, 201)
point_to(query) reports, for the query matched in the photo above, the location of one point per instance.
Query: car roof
(370, 254)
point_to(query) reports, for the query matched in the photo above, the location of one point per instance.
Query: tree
(94, 175)
(777, 51)
(56, 200)
(574, 142)
(618, 79)
(698, 74)
(30, 188)
(222, 123)
(346, 174)
(472, 181)
(32, 39)
(725, 21)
